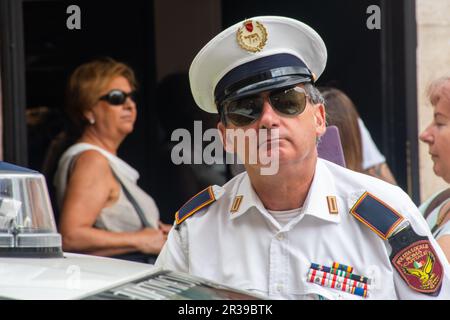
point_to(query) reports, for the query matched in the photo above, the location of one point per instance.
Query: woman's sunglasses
(245, 111)
(117, 97)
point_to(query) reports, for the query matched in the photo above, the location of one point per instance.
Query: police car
(33, 265)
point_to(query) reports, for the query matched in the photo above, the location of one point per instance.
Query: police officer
(311, 229)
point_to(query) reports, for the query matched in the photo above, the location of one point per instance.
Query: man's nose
(269, 118)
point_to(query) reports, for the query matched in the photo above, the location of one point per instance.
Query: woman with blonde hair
(103, 210)
(436, 210)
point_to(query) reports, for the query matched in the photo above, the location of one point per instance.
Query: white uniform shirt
(250, 250)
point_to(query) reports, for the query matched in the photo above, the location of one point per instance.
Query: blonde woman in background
(103, 210)
(436, 210)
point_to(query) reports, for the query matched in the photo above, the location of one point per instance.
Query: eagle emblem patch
(419, 266)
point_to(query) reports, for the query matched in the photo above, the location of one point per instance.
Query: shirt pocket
(317, 292)
(311, 291)
(259, 292)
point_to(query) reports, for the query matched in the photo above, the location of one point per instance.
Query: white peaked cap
(258, 54)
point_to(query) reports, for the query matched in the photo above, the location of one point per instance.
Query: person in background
(103, 210)
(436, 209)
(361, 153)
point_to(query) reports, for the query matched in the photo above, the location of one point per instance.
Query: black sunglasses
(245, 111)
(117, 97)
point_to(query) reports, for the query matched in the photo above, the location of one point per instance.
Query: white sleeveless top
(121, 216)
(444, 229)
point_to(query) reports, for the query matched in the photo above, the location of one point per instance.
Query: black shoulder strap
(444, 195)
(136, 206)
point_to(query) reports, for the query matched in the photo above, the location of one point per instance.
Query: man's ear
(320, 119)
(227, 145)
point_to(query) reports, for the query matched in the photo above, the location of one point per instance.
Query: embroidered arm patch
(196, 203)
(416, 261)
(413, 256)
(376, 215)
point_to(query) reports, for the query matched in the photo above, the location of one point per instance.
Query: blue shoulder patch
(199, 201)
(377, 215)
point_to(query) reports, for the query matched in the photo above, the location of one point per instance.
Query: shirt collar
(245, 198)
(322, 186)
(316, 203)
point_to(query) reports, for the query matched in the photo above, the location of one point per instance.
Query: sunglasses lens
(289, 102)
(116, 97)
(244, 111)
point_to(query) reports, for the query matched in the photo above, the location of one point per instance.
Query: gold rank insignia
(236, 204)
(332, 205)
(252, 36)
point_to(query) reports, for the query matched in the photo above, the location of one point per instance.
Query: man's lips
(271, 141)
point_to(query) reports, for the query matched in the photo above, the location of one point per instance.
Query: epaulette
(412, 255)
(196, 203)
(377, 215)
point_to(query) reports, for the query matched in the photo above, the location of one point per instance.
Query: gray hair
(436, 90)
(314, 94)
(316, 97)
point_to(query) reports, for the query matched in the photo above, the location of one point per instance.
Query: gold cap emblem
(252, 36)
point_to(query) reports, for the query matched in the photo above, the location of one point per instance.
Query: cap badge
(252, 36)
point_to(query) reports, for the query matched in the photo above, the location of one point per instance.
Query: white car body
(75, 276)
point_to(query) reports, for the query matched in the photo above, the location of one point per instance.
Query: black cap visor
(264, 74)
(265, 85)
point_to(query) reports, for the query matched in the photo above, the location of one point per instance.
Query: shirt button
(280, 237)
